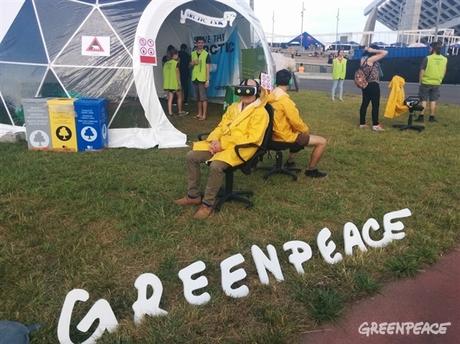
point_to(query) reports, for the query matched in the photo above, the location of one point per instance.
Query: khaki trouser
(215, 178)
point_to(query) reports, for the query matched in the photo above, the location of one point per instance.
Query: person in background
(301, 68)
(184, 68)
(171, 81)
(371, 94)
(244, 122)
(201, 65)
(432, 72)
(168, 54)
(339, 70)
(288, 126)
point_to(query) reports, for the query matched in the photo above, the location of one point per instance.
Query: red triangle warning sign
(95, 46)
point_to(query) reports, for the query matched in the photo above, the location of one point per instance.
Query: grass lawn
(97, 221)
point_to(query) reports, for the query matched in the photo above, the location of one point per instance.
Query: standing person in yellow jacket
(243, 122)
(201, 64)
(432, 72)
(339, 70)
(288, 127)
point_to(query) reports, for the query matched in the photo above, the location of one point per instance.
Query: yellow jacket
(395, 105)
(287, 124)
(237, 127)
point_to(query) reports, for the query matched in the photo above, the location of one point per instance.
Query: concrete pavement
(450, 94)
(431, 297)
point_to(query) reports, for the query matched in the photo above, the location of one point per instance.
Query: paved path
(432, 296)
(449, 93)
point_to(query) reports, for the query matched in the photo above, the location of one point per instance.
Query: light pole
(301, 25)
(437, 20)
(273, 28)
(251, 29)
(337, 26)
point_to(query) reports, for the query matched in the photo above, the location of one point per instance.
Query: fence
(387, 37)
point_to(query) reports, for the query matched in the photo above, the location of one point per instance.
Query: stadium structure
(412, 15)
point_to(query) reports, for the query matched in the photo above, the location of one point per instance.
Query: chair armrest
(244, 145)
(202, 136)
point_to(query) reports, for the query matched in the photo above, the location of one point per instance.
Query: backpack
(361, 77)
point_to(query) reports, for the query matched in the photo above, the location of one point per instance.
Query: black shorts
(429, 92)
(294, 147)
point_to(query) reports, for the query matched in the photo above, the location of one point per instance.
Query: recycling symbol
(39, 139)
(63, 133)
(89, 134)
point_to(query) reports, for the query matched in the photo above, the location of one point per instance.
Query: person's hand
(206, 84)
(195, 62)
(215, 147)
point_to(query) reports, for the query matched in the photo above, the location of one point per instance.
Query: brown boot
(188, 201)
(203, 212)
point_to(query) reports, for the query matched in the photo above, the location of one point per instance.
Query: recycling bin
(91, 118)
(62, 124)
(36, 120)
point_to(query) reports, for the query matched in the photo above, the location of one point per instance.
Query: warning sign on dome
(147, 51)
(95, 45)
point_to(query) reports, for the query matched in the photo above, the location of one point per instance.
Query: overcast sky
(320, 16)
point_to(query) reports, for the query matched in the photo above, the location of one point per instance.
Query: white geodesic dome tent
(95, 48)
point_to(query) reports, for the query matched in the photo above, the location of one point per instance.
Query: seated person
(243, 122)
(289, 127)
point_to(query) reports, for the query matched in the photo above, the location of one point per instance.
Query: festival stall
(112, 49)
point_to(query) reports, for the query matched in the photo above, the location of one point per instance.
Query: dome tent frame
(125, 72)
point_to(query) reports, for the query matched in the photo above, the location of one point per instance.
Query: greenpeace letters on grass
(299, 252)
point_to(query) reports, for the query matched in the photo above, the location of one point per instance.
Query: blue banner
(225, 65)
(224, 49)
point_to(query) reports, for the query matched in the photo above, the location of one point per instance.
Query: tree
(64, 133)
(89, 133)
(39, 138)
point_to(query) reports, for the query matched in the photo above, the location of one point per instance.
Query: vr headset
(243, 90)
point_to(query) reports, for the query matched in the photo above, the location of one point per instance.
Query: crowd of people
(246, 121)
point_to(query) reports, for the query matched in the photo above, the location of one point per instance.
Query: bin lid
(61, 101)
(90, 101)
(34, 100)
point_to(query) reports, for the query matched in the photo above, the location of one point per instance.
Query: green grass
(98, 220)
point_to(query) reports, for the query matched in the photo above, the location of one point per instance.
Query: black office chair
(278, 167)
(413, 103)
(226, 193)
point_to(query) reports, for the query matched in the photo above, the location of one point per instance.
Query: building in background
(413, 15)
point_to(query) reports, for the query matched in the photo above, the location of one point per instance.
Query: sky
(320, 16)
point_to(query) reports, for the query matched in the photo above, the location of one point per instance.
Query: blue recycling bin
(91, 121)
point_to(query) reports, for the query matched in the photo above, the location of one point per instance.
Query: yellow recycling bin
(62, 125)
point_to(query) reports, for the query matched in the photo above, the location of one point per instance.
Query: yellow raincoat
(237, 127)
(287, 124)
(395, 105)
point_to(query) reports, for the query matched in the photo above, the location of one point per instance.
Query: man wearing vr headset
(289, 128)
(243, 122)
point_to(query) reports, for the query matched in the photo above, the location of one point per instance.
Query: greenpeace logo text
(403, 328)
